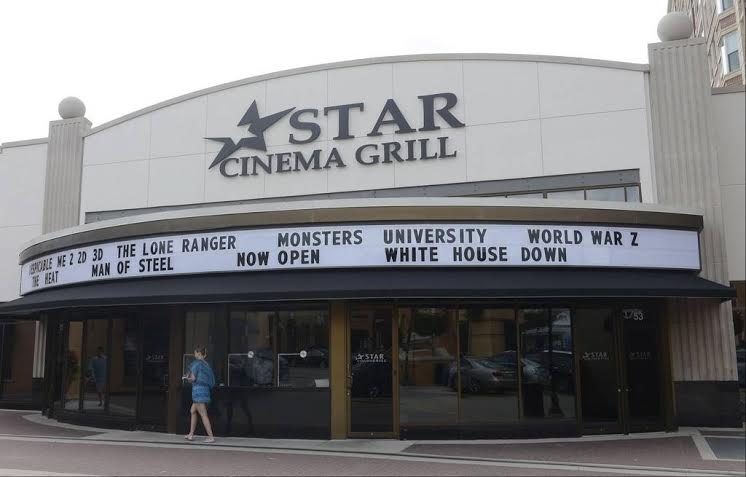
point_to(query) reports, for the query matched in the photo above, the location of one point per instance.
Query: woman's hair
(201, 350)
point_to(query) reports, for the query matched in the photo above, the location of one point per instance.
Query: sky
(121, 56)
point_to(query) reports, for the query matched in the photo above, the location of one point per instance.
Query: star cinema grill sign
(233, 161)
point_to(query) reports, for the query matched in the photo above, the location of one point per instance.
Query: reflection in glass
(427, 353)
(567, 195)
(641, 353)
(73, 365)
(598, 369)
(97, 365)
(608, 193)
(371, 394)
(206, 328)
(16, 338)
(123, 366)
(547, 371)
(303, 348)
(251, 358)
(489, 381)
(155, 349)
(633, 194)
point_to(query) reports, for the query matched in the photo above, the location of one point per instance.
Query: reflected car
(318, 356)
(482, 375)
(533, 370)
(561, 367)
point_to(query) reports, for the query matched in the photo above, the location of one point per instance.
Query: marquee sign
(234, 160)
(369, 245)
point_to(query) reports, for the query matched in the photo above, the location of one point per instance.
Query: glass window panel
(303, 348)
(489, 379)
(97, 365)
(371, 390)
(16, 338)
(155, 361)
(641, 354)
(206, 328)
(547, 369)
(733, 61)
(427, 358)
(598, 367)
(608, 193)
(730, 51)
(633, 194)
(123, 366)
(533, 195)
(251, 360)
(567, 195)
(71, 384)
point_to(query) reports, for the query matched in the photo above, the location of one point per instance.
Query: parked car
(482, 375)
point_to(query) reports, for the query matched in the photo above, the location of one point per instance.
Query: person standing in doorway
(203, 380)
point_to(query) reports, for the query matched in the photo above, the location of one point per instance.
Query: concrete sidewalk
(699, 451)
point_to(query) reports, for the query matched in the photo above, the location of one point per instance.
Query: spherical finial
(71, 107)
(675, 26)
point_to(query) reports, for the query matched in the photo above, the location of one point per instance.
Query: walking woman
(203, 380)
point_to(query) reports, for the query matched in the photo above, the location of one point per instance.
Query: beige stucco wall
(729, 117)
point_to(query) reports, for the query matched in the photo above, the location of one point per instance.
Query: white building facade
(550, 223)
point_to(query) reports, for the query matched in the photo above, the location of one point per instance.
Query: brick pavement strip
(672, 452)
(15, 423)
(124, 459)
(87, 452)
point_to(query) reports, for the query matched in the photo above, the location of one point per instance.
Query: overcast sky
(122, 56)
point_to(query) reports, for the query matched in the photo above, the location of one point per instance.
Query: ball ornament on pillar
(675, 26)
(71, 107)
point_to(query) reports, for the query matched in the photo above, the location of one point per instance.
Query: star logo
(257, 126)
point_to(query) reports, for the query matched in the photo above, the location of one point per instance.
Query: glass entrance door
(370, 372)
(620, 370)
(154, 390)
(642, 370)
(600, 387)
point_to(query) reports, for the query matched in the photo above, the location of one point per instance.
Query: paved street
(32, 445)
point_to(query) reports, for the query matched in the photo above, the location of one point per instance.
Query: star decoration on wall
(257, 126)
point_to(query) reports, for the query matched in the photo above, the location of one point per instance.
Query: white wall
(22, 172)
(522, 119)
(730, 124)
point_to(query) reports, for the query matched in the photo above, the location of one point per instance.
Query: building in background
(721, 24)
(464, 245)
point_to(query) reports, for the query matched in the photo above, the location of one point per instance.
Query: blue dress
(204, 380)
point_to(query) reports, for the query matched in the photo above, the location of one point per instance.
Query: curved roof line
(374, 61)
(322, 211)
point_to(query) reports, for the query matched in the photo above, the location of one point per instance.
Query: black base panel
(25, 404)
(268, 413)
(95, 420)
(708, 404)
(517, 430)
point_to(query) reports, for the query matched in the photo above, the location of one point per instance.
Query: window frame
(725, 55)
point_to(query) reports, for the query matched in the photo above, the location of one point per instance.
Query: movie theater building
(449, 246)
